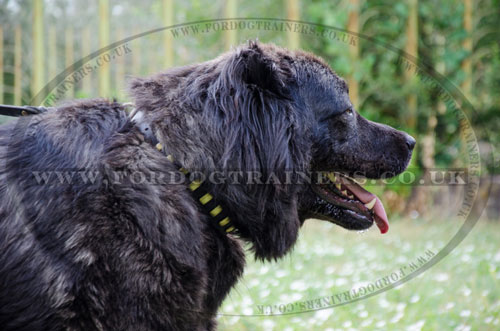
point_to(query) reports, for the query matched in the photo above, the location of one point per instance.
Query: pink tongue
(378, 210)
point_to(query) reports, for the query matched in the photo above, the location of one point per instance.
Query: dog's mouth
(343, 201)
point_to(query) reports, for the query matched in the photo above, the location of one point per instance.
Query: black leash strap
(18, 111)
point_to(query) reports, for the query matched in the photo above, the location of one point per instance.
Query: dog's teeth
(344, 192)
(370, 204)
(332, 177)
(337, 185)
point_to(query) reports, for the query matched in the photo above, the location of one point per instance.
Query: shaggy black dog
(122, 250)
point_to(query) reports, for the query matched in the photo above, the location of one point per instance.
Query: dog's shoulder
(153, 190)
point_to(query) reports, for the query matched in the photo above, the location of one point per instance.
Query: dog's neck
(214, 209)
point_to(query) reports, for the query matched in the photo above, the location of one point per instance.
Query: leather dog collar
(200, 191)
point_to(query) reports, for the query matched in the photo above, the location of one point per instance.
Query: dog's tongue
(378, 209)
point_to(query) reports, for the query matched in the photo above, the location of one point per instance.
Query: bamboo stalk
(17, 65)
(136, 60)
(120, 69)
(411, 47)
(353, 26)
(467, 45)
(152, 40)
(230, 35)
(52, 48)
(168, 14)
(104, 72)
(425, 150)
(86, 42)
(37, 79)
(1, 64)
(69, 58)
(292, 13)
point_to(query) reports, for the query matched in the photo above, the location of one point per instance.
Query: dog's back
(35, 267)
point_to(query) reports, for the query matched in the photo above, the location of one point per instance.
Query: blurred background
(39, 39)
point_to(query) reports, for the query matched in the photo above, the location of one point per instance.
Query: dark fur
(119, 256)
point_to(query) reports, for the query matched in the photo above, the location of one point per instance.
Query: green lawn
(461, 292)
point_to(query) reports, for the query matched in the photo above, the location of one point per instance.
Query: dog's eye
(348, 111)
(338, 115)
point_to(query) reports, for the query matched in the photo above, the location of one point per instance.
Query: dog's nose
(410, 142)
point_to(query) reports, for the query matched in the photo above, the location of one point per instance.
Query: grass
(461, 292)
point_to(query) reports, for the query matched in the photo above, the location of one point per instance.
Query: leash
(18, 111)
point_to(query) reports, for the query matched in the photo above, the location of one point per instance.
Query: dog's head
(278, 115)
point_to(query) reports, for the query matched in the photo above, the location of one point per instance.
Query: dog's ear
(260, 126)
(261, 71)
(260, 113)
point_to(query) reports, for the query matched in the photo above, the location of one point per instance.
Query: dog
(117, 253)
